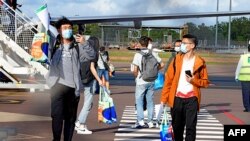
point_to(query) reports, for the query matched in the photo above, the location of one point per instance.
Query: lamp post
(229, 25)
(149, 29)
(216, 31)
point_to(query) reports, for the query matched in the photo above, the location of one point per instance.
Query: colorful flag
(39, 48)
(43, 15)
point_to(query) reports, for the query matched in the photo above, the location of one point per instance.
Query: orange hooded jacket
(200, 79)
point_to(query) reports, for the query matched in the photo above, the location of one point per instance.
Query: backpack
(85, 72)
(149, 67)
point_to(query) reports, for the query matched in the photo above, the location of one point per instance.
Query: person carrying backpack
(146, 66)
(88, 75)
(63, 78)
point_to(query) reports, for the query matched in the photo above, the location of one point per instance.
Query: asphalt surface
(26, 116)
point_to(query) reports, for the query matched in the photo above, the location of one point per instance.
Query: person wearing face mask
(177, 48)
(63, 78)
(186, 74)
(103, 72)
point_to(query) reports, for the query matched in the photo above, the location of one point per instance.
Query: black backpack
(86, 74)
(149, 66)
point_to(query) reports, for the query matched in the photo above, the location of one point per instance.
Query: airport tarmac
(27, 115)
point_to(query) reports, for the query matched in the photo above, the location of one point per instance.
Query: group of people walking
(181, 90)
(72, 58)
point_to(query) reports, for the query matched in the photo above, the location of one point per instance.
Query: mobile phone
(188, 72)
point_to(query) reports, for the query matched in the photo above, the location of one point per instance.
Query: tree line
(240, 31)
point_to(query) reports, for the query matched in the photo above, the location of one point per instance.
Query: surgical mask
(66, 34)
(183, 48)
(177, 49)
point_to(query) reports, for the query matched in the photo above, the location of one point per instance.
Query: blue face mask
(66, 34)
(184, 48)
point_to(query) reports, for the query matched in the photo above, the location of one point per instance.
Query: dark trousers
(246, 94)
(64, 105)
(184, 113)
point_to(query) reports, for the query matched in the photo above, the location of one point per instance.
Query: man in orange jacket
(186, 74)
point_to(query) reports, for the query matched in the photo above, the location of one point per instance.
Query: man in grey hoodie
(64, 78)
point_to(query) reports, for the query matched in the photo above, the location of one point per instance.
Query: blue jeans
(104, 73)
(246, 94)
(140, 91)
(88, 102)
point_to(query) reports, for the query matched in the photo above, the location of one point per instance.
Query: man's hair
(144, 41)
(248, 48)
(63, 21)
(192, 38)
(177, 41)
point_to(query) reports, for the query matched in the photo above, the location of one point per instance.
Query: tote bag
(106, 107)
(166, 131)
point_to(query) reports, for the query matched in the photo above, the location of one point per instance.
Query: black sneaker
(246, 110)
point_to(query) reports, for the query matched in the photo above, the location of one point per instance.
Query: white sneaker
(151, 125)
(83, 130)
(140, 125)
(77, 125)
(135, 111)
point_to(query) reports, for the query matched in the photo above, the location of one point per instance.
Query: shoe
(83, 130)
(139, 125)
(246, 110)
(151, 124)
(77, 125)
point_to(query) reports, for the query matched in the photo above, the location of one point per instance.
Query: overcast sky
(135, 7)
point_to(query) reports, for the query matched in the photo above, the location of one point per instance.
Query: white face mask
(66, 34)
(184, 48)
(177, 49)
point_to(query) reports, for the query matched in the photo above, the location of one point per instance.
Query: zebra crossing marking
(208, 128)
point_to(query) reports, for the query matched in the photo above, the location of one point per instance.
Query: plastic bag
(159, 81)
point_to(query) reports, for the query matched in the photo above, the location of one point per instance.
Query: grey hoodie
(86, 53)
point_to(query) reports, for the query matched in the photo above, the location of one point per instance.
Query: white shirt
(137, 62)
(184, 86)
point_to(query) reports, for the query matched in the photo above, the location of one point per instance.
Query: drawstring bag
(159, 81)
(166, 130)
(106, 107)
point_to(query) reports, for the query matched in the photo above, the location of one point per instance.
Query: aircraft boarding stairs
(17, 71)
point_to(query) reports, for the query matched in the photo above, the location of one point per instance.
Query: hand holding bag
(106, 108)
(166, 131)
